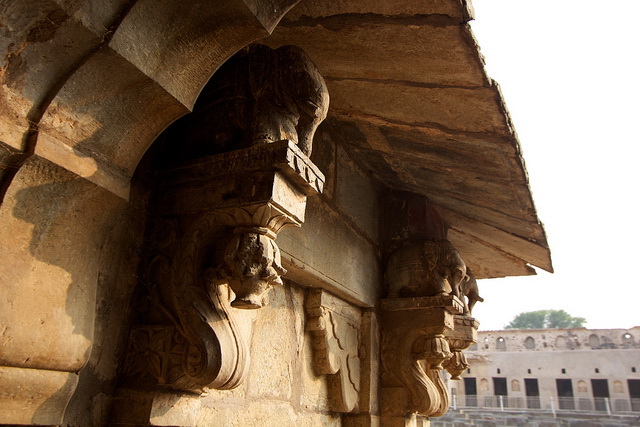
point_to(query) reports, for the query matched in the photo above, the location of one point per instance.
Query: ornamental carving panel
(335, 329)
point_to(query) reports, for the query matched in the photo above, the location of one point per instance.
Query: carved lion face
(253, 261)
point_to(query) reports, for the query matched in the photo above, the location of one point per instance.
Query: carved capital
(335, 329)
(464, 332)
(425, 317)
(456, 364)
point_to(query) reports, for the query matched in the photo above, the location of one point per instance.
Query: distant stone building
(572, 369)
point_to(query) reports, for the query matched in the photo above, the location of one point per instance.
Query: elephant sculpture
(428, 268)
(258, 96)
(470, 289)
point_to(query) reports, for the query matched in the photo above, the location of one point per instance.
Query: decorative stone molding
(335, 327)
(463, 335)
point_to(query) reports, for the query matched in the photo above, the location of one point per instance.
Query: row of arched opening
(562, 342)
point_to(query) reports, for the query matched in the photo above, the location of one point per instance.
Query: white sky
(570, 74)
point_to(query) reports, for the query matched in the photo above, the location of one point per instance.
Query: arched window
(484, 384)
(561, 343)
(594, 341)
(515, 385)
(529, 343)
(582, 387)
(618, 387)
(627, 340)
(501, 344)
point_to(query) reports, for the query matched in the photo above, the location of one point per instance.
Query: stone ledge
(449, 302)
(284, 156)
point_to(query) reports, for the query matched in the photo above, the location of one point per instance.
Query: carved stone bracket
(212, 248)
(234, 174)
(425, 318)
(414, 348)
(335, 328)
(464, 334)
(420, 337)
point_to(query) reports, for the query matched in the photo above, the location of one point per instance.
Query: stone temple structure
(248, 212)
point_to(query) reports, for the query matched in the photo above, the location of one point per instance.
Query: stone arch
(501, 344)
(484, 384)
(594, 341)
(529, 343)
(582, 386)
(628, 340)
(515, 385)
(561, 342)
(88, 107)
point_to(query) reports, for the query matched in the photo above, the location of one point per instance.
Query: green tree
(545, 319)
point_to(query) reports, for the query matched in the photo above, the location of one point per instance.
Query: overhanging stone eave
(412, 103)
(488, 249)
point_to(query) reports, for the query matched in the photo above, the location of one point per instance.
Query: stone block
(43, 44)
(265, 413)
(456, 109)
(311, 258)
(273, 345)
(419, 53)
(84, 119)
(360, 420)
(98, 16)
(159, 37)
(381, 7)
(357, 196)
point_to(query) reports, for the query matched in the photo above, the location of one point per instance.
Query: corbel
(212, 251)
(414, 350)
(424, 317)
(335, 328)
